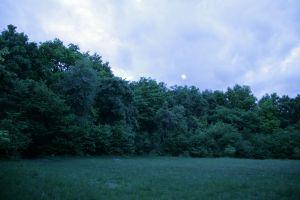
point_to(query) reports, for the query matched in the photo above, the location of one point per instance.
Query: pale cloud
(215, 43)
(277, 76)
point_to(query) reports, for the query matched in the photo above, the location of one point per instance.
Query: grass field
(149, 178)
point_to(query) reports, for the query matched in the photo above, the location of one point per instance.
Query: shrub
(229, 151)
(101, 135)
(143, 143)
(244, 149)
(121, 139)
(296, 153)
(4, 142)
(261, 146)
(176, 144)
(201, 145)
(224, 135)
(12, 141)
(70, 141)
(284, 143)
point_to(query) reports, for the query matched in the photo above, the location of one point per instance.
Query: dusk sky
(211, 44)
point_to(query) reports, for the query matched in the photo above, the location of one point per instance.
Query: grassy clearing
(149, 178)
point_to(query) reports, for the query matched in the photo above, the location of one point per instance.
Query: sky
(212, 44)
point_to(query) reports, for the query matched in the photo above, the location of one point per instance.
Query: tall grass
(149, 178)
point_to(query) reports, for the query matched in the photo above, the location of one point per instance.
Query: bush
(70, 141)
(262, 145)
(284, 143)
(121, 139)
(143, 143)
(176, 144)
(296, 153)
(201, 145)
(101, 135)
(12, 141)
(41, 117)
(229, 151)
(224, 135)
(4, 142)
(244, 149)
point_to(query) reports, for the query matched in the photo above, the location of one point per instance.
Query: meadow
(149, 178)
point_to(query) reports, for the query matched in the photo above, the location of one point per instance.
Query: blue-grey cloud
(214, 43)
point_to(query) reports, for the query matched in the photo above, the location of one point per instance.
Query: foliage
(202, 145)
(113, 102)
(56, 100)
(12, 141)
(78, 87)
(225, 136)
(121, 139)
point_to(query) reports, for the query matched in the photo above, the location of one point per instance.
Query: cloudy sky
(212, 44)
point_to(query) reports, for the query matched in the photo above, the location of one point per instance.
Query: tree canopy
(56, 100)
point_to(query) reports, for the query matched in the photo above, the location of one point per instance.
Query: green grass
(149, 178)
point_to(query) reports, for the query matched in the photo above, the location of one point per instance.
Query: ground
(149, 178)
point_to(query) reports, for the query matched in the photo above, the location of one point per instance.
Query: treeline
(57, 100)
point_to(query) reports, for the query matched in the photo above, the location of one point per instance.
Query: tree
(191, 99)
(58, 58)
(113, 102)
(41, 112)
(246, 122)
(201, 144)
(78, 86)
(12, 140)
(96, 62)
(55, 99)
(121, 139)
(288, 110)
(17, 52)
(224, 136)
(196, 107)
(269, 113)
(172, 129)
(240, 97)
(148, 97)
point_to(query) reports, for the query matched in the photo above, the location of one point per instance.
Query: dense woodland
(57, 100)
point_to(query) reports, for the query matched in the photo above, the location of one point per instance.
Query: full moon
(183, 76)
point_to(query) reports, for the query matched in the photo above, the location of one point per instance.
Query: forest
(58, 100)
